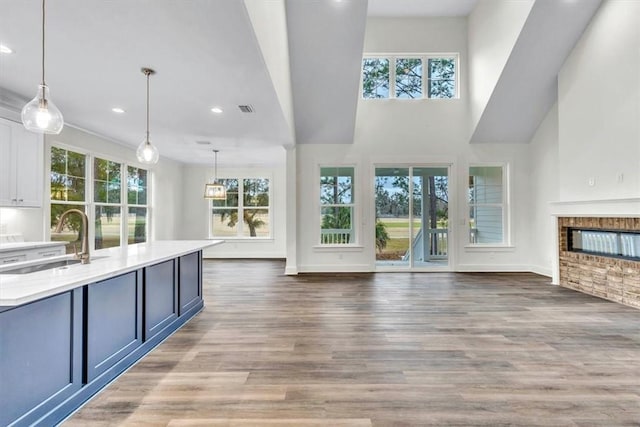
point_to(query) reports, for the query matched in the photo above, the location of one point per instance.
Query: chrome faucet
(84, 255)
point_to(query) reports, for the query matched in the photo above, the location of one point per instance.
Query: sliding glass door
(412, 217)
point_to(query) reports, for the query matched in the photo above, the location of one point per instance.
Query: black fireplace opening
(610, 243)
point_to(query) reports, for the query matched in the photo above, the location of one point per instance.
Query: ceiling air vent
(246, 108)
(203, 142)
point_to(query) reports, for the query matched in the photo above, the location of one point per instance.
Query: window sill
(338, 248)
(489, 248)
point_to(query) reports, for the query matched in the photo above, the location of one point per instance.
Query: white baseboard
(335, 268)
(543, 271)
(243, 255)
(493, 268)
(291, 270)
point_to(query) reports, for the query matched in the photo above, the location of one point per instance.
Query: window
(487, 205)
(442, 78)
(336, 206)
(408, 75)
(95, 186)
(408, 78)
(137, 201)
(107, 195)
(247, 198)
(68, 190)
(375, 78)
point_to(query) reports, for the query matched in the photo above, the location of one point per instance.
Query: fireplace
(600, 256)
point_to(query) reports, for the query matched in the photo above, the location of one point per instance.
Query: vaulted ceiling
(296, 63)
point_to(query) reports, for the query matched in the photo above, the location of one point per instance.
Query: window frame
(424, 57)
(354, 205)
(241, 207)
(90, 204)
(505, 205)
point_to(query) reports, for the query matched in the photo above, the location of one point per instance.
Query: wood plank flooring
(387, 349)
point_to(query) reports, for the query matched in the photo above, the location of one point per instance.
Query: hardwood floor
(387, 349)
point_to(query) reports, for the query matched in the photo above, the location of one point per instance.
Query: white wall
(593, 132)
(494, 27)
(543, 173)
(195, 218)
(411, 132)
(599, 108)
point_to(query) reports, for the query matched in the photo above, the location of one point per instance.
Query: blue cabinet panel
(160, 297)
(40, 365)
(190, 289)
(58, 352)
(114, 323)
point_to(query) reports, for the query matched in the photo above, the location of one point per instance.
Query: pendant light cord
(215, 167)
(147, 73)
(43, 83)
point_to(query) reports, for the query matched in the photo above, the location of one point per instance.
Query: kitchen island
(65, 333)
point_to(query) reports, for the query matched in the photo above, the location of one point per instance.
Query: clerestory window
(410, 77)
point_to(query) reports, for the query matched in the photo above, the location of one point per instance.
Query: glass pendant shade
(215, 191)
(41, 115)
(147, 153)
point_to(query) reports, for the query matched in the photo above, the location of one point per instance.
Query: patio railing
(329, 236)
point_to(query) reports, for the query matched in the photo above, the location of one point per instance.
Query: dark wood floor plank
(392, 349)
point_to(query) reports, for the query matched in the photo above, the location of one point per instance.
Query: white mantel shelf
(627, 207)
(18, 289)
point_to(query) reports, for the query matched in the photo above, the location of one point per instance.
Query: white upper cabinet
(21, 166)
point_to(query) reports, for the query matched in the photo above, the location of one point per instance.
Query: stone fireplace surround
(606, 277)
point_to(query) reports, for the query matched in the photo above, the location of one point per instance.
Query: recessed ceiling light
(216, 110)
(5, 49)
(117, 110)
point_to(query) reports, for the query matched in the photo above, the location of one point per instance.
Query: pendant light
(215, 190)
(147, 153)
(40, 114)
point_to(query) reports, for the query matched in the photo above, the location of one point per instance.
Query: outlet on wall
(620, 177)
(591, 181)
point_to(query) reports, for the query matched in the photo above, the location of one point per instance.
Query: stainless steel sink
(42, 266)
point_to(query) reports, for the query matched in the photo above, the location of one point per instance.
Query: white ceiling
(516, 109)
(204, 52)
(422, 8)
(325, 67)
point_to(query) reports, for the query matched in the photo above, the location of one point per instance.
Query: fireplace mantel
(627, 207)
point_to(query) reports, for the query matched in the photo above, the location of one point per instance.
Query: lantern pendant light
(215, 190)
(40, 114)
(147, 153)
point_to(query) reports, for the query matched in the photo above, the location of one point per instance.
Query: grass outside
(398, 231)
(110, 234)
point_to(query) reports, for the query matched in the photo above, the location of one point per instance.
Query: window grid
(246, 211)
(487, 199)
(337, 206)
(104, 199)
(426, 78)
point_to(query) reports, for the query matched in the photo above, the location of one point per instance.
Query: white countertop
(17, 246)
(17, 289)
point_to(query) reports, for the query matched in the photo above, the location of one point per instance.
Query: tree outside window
(247, 199)
(408, 75)
(68, 190)
(96, 187)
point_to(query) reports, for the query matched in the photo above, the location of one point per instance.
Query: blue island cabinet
(57, 352)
